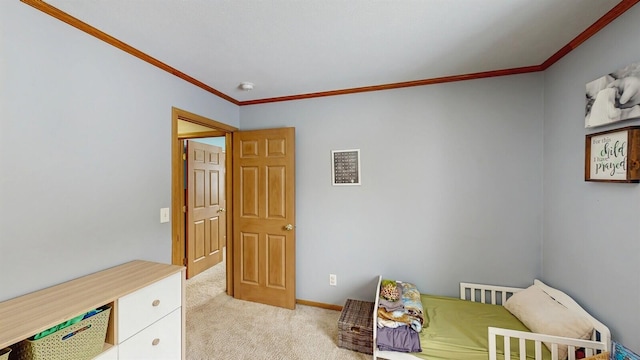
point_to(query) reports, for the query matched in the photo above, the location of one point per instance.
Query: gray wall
(85, 154)
(452, 174)
(451, 186)
(591, 230)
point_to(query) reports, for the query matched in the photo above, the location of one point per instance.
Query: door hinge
(184, 209)
(184, 156)
(184, 261)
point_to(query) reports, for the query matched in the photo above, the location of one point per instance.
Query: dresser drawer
(140, 309)
(161, 340)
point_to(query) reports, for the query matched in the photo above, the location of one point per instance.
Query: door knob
(221, 210)
(288, 227)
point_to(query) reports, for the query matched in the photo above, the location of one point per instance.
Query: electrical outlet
(333, 280)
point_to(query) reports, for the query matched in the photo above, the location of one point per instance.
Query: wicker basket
(4, 353)
(601, 356)
(80, 341)
(355, 326)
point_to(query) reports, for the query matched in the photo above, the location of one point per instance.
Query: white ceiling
(288, 47)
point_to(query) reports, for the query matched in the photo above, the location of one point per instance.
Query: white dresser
(147, 313)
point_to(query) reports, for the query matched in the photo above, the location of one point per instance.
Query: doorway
(186, 125)
(260, 256)
(206, 233)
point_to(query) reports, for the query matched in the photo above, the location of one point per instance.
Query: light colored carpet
(221, 327)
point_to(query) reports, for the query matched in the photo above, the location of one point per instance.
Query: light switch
(164, 215)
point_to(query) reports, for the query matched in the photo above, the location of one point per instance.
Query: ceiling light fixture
(246, 86)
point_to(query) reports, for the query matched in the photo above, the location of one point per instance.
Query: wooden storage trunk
(355, 326)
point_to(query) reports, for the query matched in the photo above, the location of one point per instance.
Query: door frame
(178, 226)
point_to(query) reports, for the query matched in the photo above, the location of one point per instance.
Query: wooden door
(264, 216)
(205, 195)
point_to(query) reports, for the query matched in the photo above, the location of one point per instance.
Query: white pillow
(542, 314)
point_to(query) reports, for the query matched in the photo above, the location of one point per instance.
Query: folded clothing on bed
(402, 339)
(387, 303)
(411, 313)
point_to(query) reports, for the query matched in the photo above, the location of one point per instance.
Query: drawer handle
(155, 302)
(155, 342)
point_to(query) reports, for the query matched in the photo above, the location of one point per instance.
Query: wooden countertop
(26, 315)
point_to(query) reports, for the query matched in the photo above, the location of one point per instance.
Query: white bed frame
(497, 295)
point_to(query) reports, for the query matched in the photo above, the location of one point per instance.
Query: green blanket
(456, 329)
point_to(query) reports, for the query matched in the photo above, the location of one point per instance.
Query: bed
(481, 325)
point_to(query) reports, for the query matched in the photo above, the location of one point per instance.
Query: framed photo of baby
(613, 97)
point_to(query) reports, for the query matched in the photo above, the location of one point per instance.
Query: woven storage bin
(4, 353)
(601, 356)
(355, 326)
(80, 341)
